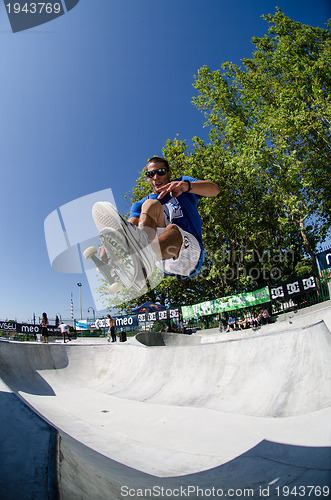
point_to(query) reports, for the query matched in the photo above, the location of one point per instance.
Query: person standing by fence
(111, 329)
(44, 331)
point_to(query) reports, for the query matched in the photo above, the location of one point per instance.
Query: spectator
(180, 323)
(243, 323)
(265, 317)
(111, 329)
(222, 322)
(231, 323)
(44, 331)
(255, 321)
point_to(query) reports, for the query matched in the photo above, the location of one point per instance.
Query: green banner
(230, 303)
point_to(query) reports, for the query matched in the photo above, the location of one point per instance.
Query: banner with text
(166, 314)
(224, 304)
(293, 288)
(7, 326)
(24, 328)
(120, 321)
(133, 320)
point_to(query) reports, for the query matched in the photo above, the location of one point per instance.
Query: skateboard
(123, 270)
(106, 216)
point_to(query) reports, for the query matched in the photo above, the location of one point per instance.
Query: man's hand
(175, 188)
(102, 254)
(201, 188)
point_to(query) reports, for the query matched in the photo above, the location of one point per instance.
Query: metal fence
(321, 294)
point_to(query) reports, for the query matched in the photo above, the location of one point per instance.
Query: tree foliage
(271, 118)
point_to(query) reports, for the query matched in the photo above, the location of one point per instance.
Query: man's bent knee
(151, 207)
(154, 210)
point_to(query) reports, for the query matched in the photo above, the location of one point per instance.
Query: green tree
(271, 118)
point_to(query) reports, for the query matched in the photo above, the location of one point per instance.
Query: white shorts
(188, 260)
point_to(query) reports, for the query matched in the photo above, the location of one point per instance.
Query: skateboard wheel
(89, 252)
(115, 288)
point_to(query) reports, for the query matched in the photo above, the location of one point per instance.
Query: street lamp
(80, 299)
(93, 312)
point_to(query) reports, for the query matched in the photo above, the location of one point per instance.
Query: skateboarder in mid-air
(164, 228)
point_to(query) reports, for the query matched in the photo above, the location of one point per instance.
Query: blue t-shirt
(182, 211)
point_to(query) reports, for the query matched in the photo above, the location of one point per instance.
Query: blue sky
(85, 99)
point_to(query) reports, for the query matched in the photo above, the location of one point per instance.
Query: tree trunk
(307, 246)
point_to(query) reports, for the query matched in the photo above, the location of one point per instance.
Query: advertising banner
(224, 304)
(7, 326)
(120, 321)
(82, 324)
(33, 329)
(165, 314)
(293, 288)
(324, 259)
(25, 328)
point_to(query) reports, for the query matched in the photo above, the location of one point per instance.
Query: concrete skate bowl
(249, 413)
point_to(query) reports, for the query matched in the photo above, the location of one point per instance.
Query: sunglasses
(158, 171)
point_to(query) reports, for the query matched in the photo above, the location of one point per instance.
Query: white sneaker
(105, 216)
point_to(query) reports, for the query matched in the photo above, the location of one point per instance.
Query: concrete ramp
(242, 376)
(250, 410)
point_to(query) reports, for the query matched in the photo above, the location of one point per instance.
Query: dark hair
(157, 159)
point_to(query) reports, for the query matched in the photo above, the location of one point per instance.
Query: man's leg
(168, 244)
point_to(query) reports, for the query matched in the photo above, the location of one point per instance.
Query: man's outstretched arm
(202, 188)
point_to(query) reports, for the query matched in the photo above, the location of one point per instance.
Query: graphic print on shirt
(172, 210)
(186, 243)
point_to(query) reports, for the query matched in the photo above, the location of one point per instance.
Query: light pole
(93, 312)
(80, 299)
